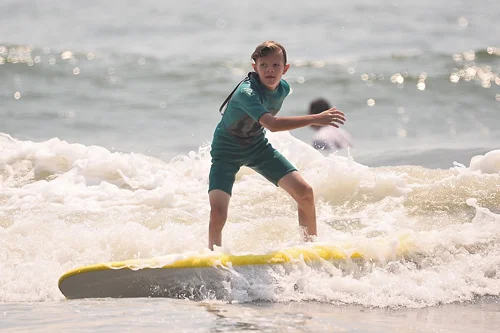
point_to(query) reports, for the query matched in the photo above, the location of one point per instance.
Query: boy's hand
(331, 117)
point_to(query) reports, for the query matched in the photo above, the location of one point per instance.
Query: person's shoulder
(332, 132)
(325, 133)
(247, 88)
(331, 137)
(246, 91)
(285, 85)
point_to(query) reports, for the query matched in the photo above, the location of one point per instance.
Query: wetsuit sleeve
(248, 100)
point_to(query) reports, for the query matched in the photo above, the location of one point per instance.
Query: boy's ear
(254, 66)
(287, 66)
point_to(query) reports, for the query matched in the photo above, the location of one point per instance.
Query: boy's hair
(318, 105)
(266, 48)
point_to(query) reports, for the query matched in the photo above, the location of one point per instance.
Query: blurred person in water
(328, 137)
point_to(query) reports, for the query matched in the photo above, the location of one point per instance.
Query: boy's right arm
(331, 117)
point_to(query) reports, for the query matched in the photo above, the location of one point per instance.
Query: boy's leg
(221, 180)
(303, 194)
(277, 169)
(219, 204)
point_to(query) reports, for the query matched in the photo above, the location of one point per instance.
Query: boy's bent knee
(305, 195)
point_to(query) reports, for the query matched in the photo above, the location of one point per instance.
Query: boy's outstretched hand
(331, 117)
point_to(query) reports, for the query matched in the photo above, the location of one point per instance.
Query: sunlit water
(107, 111)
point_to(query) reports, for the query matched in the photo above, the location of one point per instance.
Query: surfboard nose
(125, 282)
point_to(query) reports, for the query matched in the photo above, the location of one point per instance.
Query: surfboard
(178, 276)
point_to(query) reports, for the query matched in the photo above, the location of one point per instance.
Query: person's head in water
(270, 63)
(317, 106)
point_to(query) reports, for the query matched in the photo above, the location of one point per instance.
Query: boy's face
(270, 69)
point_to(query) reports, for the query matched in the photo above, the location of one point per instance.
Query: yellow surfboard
(172, 276)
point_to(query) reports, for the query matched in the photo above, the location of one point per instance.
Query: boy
(239, 140)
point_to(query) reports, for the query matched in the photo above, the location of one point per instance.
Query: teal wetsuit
(240, 140)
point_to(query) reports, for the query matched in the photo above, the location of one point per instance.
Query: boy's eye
(274, 65)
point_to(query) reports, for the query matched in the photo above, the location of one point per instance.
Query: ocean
(107, 112)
